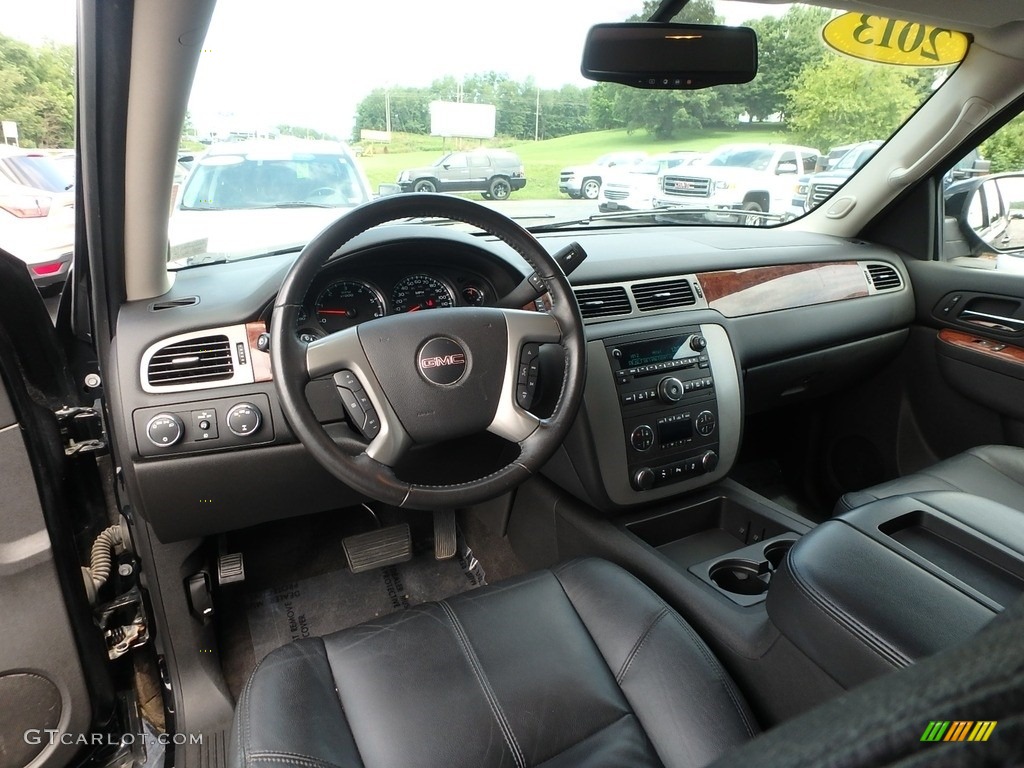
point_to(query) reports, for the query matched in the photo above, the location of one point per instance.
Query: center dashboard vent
(884, 277)
(663, 294)
(603, 302)
(195, 361)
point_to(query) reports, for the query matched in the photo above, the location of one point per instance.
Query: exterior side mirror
(385, 190)
(991, 216)
(785, 168)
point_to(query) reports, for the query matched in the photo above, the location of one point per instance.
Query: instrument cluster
(338, 302)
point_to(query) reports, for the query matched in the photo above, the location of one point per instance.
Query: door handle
(998, 322)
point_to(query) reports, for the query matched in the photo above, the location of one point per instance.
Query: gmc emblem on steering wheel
(442, 361)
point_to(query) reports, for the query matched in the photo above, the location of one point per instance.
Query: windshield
(855, 158)
(243, 182)
(38, 172)
(409, 122)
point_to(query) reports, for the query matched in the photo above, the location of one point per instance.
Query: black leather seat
(993, 472)
(581, 665)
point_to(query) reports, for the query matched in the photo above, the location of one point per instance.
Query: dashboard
(687, 331)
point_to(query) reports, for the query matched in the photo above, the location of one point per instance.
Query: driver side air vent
(884, 277)
(603, 302)
(194, 361)
(663, 294)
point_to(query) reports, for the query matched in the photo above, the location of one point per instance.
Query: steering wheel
(430, 376)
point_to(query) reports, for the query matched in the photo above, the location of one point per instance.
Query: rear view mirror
(670, 56)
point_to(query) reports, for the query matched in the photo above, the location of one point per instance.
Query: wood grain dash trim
(997, 350)
(260, 361)
(740, 292)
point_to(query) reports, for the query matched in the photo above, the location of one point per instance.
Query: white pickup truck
(755, 178)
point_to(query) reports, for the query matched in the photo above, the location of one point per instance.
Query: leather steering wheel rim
(357, 463)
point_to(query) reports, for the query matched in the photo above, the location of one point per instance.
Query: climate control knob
(643, 479)
(705, 423)
(698, 343)
(670, 389)
(165, 430)
(642, 438)
(709, 461)
(244, 419)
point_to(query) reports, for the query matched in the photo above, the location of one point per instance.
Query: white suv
(755, 178)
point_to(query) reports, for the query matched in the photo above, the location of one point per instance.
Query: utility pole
(387, 111)
(536, 118)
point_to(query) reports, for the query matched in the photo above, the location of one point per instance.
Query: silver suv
(493, 173)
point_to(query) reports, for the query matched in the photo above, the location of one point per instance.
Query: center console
(897, 580)
(676, 399)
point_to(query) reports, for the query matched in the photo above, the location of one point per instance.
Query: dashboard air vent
(663, 294)
(884, 277)
(185, 301)
(192, 362)
(603, 302)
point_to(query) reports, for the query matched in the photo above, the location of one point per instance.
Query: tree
(842, 100)
(785, 47)
(1005, 148)
(37, 91)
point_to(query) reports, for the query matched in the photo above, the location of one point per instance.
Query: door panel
(42, 685)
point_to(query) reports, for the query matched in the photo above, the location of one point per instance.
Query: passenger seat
(993, 472)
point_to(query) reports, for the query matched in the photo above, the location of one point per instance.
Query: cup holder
(741, 577)
(775, 552)
(745, 574)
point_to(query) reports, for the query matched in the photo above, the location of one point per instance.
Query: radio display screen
(654, 351)
(674, 431)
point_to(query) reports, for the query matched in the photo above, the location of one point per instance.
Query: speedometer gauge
(345, 303)
(418, 292)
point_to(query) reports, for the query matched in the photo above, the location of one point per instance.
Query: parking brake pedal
(385, 546)
(444, 535)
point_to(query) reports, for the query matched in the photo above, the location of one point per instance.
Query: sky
(309, 62)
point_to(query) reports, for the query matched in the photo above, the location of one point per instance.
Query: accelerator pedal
(444, 535)
(385, 546)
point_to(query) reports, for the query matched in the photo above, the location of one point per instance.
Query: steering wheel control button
(348, 380)
(642, 438)
(442, 361)
(204, 425)
(165, 430)
(244, 419)
(705, 423)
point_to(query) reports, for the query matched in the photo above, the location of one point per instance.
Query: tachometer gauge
(418, 292)
(345, 303)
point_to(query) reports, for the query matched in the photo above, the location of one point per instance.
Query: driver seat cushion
(994, 472)
(581, 665)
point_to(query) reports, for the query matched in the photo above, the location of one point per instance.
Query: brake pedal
(385, 546)
(444, 535)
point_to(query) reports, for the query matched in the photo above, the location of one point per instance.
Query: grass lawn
(544, 159)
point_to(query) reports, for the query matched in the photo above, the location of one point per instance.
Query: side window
(983, 198)
(787, 163)
(810, 162)
(456, 161)
(479, 161)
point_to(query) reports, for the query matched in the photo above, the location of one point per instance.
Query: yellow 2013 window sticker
(891, 41)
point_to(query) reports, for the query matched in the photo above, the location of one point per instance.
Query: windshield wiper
(294, 204)
(673, 215)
